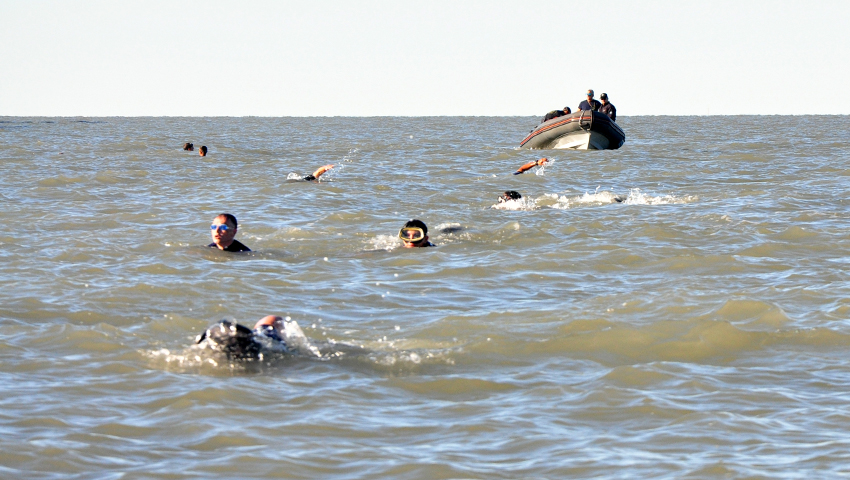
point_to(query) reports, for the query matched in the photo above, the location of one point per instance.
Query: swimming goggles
(411, 234)
(221, 227)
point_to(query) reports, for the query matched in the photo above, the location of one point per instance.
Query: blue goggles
(219, 227)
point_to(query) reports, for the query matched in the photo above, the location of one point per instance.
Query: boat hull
(582, 130)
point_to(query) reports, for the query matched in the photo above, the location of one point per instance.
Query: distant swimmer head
(509, 195)
(234, 340)
(189, 147)
(203, 151)
(414, 233)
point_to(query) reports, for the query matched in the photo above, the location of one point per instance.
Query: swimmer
(414, 233)
(318, 173)
(530, 165)
(509, 195)
(239, 342)
(203, 151)
(189, 147)
(223, 231)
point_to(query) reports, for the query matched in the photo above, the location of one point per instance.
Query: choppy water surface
(697, 329)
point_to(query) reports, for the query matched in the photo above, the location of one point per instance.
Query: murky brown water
(697, 329)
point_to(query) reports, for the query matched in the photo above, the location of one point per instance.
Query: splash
(203, 355)
(596, 198)
(636, 197)
(541, 170)
(384, 242)
(524, 203)
(296, 341)
(349, 157)
(605, 197)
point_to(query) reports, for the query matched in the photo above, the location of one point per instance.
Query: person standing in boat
(590, 103)
(608, 108)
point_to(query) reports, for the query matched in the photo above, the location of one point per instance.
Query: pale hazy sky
(371, 57)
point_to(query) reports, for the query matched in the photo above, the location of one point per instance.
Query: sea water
(677, 308)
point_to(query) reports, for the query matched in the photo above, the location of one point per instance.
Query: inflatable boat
(581, 130)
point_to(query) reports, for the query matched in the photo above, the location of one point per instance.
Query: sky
(421, 58)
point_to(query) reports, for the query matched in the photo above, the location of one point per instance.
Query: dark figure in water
(203, 151)
(509, 195)
(189, 147)
(239, 342)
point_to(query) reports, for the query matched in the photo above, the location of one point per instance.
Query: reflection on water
(675, 308)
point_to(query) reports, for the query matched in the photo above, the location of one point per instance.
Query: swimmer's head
(223, 230)
(203, 151)
(272, 326)
(269, 320)
(414, 233)
(189, 147)
(509, 195)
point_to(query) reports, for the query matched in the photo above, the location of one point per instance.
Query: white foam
(524, 203)
(541, 170)
(636, 197)
(596, 198)
(384, 242)
(605, 197)
(296, 341)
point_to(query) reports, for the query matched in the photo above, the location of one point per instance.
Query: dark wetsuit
(236, 246)
(241, 343)
(610, 110)
(587, 106)
(553, 114)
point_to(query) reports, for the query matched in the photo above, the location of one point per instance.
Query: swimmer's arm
(530, 165)
(318, 173)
